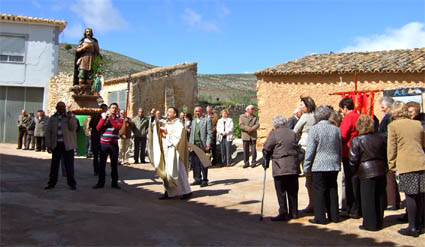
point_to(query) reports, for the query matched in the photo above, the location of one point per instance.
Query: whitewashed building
(28, 59)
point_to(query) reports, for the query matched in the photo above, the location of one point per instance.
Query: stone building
(279, 87)
(28, 59)
(158, 88)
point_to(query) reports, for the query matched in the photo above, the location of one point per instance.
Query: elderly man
(214, 119)
(282, 147)
(201, 135)
(22, 130)
(39, 133)
(61, 138)
(294, 119)
(249, 124)
(125, 140)
(140, 130)
(393, 195)
(30, 125)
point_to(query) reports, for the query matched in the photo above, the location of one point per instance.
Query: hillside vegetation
(231, 88)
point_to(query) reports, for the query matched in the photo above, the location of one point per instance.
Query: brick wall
(281, 94)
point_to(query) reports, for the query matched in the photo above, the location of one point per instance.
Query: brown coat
(248, 123)
(214, 120)
(406, 139)
(282, 147)
(69, 130)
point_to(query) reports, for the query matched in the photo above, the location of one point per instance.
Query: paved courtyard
(225, 213)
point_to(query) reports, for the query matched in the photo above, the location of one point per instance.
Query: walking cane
(264, 189)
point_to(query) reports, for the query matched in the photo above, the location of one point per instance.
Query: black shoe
(136, 162)
(280, 217)
(164, 196)
(254, 164)
(354, 216)
(409, 232)
(73, 187)
(98, 186)
(38, 150)
(115, 186)
(313, 221)
(49, 187)
(204, 184)
(18, 148)
(361, 227)
(143, 162)
(196, 183)
(246, 165)
(186, 196)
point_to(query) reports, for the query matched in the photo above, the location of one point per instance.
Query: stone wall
(58, 90)
(234, 110)
(158, 88)
(281, 94)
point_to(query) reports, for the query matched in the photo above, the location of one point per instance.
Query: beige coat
(406, 139)
(69, 131)
(248, 123)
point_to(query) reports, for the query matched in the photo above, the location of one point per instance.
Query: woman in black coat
(368, 158)
(281, 146)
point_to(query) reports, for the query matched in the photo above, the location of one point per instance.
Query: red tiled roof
(32, 20)
(408, 60)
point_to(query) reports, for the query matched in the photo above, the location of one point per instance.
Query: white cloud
(411, 35)
(195, 21)
(36, 4)
(100, 15)
(74, 31)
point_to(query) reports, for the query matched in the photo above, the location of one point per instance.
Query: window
(119, 97)
(12, 48)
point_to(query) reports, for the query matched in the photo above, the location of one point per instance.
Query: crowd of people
(373, 155)
(315, 141)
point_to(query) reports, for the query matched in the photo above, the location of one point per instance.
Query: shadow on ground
(134, 215)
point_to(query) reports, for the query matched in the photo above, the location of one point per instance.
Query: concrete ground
(224, 213)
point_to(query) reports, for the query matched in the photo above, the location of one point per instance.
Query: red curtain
(363, 101)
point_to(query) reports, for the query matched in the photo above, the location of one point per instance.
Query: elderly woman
(368, 160)
(323, 158)
(281, 146)
(302, 129)
(225, 136)
(406, 139)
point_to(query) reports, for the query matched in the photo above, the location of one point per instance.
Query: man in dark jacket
(30, 126)
(292, 121)
(393, 195)
(95, 139)
(140, 130)
(281, 146)
(40, 125)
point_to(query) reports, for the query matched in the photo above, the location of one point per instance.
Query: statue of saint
(87, 50)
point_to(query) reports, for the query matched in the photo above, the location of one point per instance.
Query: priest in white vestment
(167, 144)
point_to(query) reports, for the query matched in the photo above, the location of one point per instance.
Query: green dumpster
(81, 137)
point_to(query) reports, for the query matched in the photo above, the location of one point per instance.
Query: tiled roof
(32, 20)
(409, 60)
(158, 71)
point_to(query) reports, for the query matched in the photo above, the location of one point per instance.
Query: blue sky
(236, 36)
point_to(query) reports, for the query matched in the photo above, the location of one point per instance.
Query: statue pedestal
(86, 104)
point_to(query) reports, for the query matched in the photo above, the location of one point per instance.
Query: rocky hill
(213, 88)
